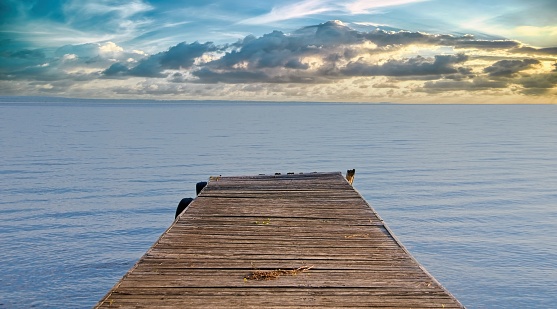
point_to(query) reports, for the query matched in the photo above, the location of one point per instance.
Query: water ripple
(86, 189)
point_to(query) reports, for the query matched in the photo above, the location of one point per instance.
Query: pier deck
(288, 241)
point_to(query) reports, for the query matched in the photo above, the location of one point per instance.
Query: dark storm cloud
(535, 84)
(419, 66)
(543, 81)
(11, 57)
(387, 38)
(400, 38)
(27, 64)
(331, 33)
(538, 84)
(149, 67)
(208, 76)
(15, 64)
(475, 84)
(55, 64)
(39, 73)
(181, 56)
(269, 51)
(486, 44)
(535, 51)
(46, 73)
(508, 68)
(29, 54)
(116, 69)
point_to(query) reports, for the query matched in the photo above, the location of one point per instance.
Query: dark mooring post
(350, 175)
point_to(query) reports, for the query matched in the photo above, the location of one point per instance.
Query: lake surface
(86, 187)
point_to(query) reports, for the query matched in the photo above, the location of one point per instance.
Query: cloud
(117, 69)
(51, 23)
(324, 47)
(468, 41)
(499, 78)
(184, 55)
(313, 7)
(538, 84)
(475, 84)
(123, 9)
(509, 68)
(417, 66)
(107, 15)
(46, 72)
(74, 63)
(181, 56)
(290, 11)
(486, 44)
(88, 50)
(332, 59)
(330, 51)
(271, 50)
(209, 76)
(542, 81)
(535, 51)
(29, 54)
(390, 38)
(367, 6)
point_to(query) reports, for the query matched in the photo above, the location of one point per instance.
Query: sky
(397, 51)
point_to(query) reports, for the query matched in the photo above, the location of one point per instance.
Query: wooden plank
(241, 225)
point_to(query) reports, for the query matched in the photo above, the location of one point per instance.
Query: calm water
(87, 187)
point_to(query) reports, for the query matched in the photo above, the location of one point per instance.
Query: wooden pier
(279, 241)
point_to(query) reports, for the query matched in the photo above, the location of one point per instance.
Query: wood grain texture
(279, 223)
